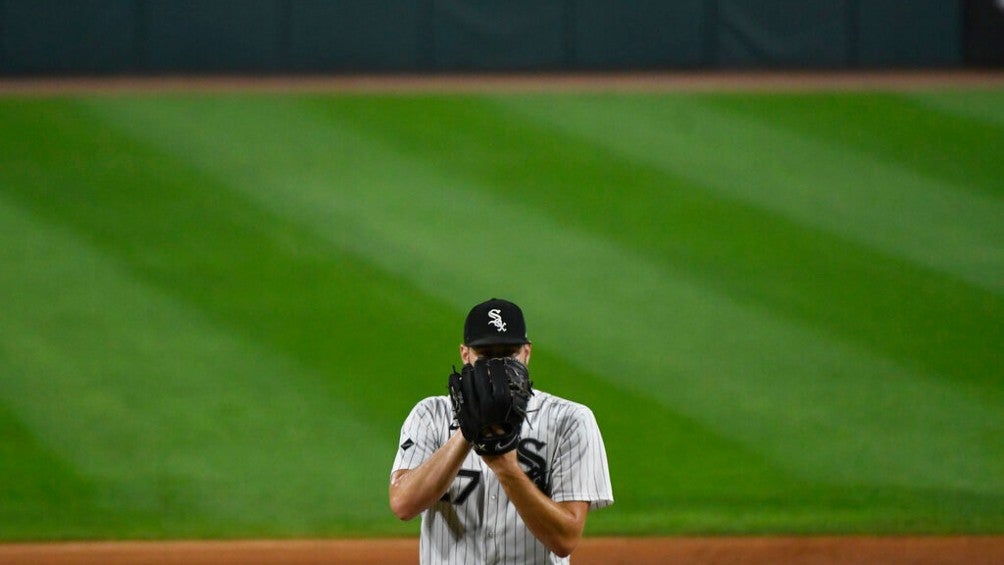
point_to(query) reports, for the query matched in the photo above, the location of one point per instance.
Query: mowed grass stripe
(188, 234)
(41, 495)
(169, 425)
(395, 226)
(669, 196)
(886, 303)
(404, 223)
(983, 106)
(183, 486)
(191, 243)
(622, 282)
(958, 149)
(663, 483)
(838, 189)
(705, 361)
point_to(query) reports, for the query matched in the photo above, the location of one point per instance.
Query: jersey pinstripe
(560, 449)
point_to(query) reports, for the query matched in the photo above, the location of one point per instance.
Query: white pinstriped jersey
(560, 448)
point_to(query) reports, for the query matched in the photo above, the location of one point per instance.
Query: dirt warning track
(752, 81)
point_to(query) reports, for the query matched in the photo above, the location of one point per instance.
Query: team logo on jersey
(406, 445)
(496, 319)
(529, 455)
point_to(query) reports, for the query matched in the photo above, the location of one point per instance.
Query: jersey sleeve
(580, 470)
(421, 434)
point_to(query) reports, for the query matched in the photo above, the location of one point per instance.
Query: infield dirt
(972, 550)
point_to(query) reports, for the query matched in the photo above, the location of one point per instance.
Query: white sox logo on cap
(505, 325)
(496, 319)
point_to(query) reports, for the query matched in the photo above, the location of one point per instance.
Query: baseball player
(515, 489)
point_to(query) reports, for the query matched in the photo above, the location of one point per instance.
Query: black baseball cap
(495, 322)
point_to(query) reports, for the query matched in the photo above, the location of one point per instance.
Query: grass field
(785, 309)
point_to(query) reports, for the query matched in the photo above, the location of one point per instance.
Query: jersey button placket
(493, 513)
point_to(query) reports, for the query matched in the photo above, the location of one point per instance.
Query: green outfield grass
(786, 310)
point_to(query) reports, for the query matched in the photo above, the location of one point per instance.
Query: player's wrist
(458, 439)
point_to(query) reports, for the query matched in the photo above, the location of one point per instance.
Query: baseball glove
(489, 403)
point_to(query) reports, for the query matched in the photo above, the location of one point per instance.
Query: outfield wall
(309, 36)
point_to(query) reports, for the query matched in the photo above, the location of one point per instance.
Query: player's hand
(507, 462)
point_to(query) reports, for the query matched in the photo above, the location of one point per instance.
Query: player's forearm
(414, 490)
(555, 525)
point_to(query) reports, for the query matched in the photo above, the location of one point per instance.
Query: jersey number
(474, 479)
